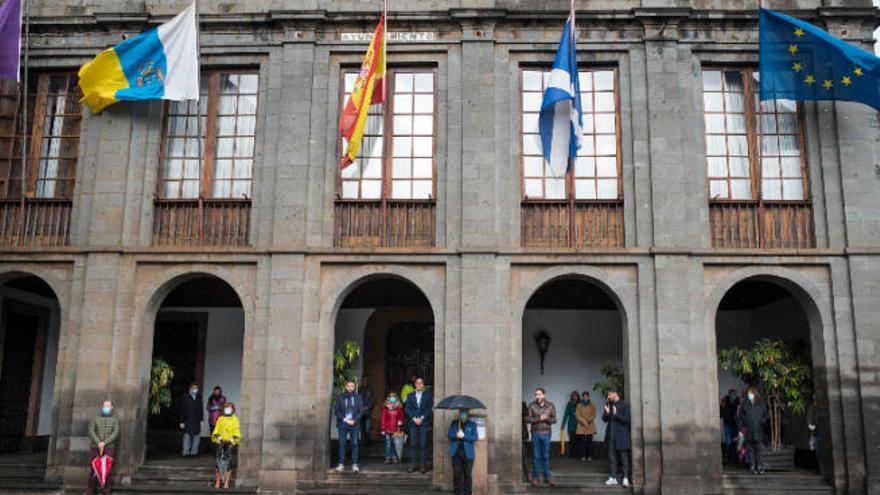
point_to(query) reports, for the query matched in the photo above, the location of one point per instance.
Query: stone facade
(667, 280)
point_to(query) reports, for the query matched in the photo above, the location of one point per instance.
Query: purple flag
(10, 38)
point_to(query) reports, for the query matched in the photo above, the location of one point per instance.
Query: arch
(619, 295)
(817, 311)
(341, 291)
(13, 272)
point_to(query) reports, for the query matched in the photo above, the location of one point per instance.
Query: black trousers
(526, 458)
(461, 472)
(585, 445)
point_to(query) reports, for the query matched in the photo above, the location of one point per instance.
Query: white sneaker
(355, 468)
(626, 483)
(611, 482)
(340, 468)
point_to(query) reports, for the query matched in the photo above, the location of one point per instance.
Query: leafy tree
(343, 364)
(161, 375)
(781, 373)
(613, 379)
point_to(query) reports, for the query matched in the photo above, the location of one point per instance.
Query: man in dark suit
(348, 410)
(617, 437)
(419, 415)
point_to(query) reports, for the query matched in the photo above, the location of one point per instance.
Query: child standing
(391, 422)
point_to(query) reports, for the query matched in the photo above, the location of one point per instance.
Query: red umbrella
(101, 465)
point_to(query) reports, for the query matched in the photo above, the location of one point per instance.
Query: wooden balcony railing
(42, 222)
(768, 225)
(389, 223)
(201, 222)
(572, 224)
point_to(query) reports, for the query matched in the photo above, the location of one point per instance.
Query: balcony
(35, 222)
(390, 223)
(201, 222)
(765, 225)
(570, 224)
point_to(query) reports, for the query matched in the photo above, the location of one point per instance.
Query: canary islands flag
(162, 63)
(799, 61)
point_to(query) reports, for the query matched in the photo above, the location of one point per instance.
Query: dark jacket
(470, 436)
(617, 427)
(348, 404)
(753, 417)
(569, 420)
(422, 410)
(728, 410)
(214, 406)
(536, 411)
(191, 413)
(367, 397)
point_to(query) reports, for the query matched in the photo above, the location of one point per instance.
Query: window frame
(386, 194)
(753, 135)
(36, 132)
(570, 184)
(207, 158)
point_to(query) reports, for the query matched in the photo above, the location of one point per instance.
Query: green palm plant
(161, 375)
(781, 373)
(343, 364)
(613, 379)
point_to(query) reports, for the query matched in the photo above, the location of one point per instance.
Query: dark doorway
(752, 310)
(409, 351)
(29, 329)
(198, 332)
(15, 379)
(392, 322)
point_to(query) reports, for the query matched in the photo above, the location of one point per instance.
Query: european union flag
(799, 61)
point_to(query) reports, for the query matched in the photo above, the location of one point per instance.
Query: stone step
(784, 483)
(41, 488)
(173, 488)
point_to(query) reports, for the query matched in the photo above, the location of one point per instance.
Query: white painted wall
(47, 393)
(224, 347)
(351, 324)
(583, 341)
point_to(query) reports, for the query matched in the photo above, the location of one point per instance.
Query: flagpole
(24, 120)
(385, 49)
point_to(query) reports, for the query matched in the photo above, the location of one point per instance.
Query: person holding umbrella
(462, 435)
(227, 436)
(104, 431)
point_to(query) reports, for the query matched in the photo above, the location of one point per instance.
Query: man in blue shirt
(462, 435)
(419, 414)
(348, 410)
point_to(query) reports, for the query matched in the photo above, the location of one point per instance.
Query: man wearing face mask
(462, 435)
(753, 415)
(103, 430)
(191, 416)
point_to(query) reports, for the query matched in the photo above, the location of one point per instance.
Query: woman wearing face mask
(227, 436)
(462, 435)
(753, 415)
(214, 406)
(390, 423)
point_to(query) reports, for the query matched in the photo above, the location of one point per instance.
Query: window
(53, 126)
(208, 149)
(386, 198)
(758, 186)
(402, 168)
(596, 171)
(753, 152)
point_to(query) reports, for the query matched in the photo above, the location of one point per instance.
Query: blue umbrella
(460, 402)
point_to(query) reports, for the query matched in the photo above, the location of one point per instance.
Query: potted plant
(161, 374)
(613, 379)
(782, 374)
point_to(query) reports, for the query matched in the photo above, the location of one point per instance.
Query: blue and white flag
(560, 121)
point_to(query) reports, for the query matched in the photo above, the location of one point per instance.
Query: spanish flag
(369, 88)
(162, 63)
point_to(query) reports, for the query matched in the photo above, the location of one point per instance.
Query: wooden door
(409, 351)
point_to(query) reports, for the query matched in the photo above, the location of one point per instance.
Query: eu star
(828, 84)
(798, 32)
(846, 81)
(810, 79)
(858, 71)
(797, 66)
(792, 49)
